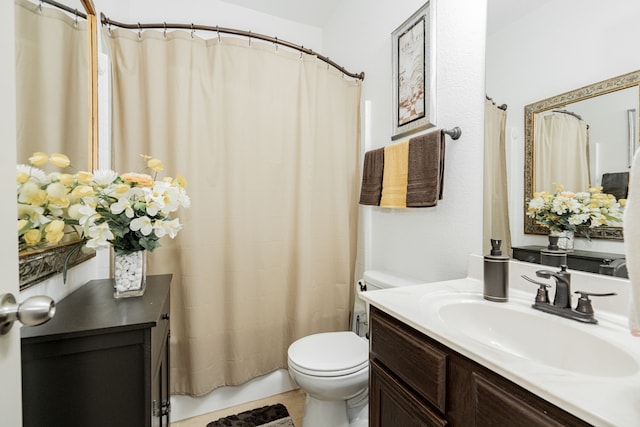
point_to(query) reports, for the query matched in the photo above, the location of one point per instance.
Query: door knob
(35, 310)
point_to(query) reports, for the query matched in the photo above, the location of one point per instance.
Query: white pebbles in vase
(129, 274)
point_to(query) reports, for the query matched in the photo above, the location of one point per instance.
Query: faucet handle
(584, 303)
(543, 293)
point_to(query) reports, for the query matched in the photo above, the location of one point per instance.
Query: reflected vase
(129, 274)
(565, 239)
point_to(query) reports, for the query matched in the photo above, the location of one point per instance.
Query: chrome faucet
(562, 301)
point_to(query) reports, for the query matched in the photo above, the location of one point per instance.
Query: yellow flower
(82, 191)
(595, 189)
(122, 188)
(22, 223)
(60, 160)
(65, 179)
(623, 202)
(559, 187)
(22, 177)
(84, 177)
(54, 231)
(155, 164)
(32, 237)
(39, 158)
(39, 198)
(181, 180)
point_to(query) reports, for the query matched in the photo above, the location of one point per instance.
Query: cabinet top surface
(575, 253)
(92, 308)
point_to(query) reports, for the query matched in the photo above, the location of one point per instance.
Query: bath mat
(267, 416)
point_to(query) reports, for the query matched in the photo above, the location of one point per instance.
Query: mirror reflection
(581, 139)
(599, 133)
(51, 82)
(54, 97)
(541, 50)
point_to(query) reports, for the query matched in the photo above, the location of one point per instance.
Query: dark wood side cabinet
(416, 382)
(588, 261)
(100, 361)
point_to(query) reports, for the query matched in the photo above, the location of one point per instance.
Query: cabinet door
(495, 406)
(392, 404)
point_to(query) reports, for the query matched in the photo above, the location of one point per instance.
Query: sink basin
(519, 330)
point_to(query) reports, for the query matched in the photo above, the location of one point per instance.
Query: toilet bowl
(332, 368)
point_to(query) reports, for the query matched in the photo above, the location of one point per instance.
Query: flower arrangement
(130, 211)
(565, 210)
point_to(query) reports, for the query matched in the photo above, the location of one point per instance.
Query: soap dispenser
(496, 274)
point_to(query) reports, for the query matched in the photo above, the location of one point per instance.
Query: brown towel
(426, 169)
(371, 189)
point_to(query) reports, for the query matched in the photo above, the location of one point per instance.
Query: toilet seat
(329, 354)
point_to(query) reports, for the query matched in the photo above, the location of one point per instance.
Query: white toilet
(333, 367)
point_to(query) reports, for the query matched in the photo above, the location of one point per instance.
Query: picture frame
(413, 61)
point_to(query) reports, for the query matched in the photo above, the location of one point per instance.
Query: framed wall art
(413, 57)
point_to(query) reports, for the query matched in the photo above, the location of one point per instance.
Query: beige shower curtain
(561, 140)
(51, 83)
(268, 141)
(496, 195)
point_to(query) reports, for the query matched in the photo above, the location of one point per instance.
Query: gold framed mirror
(38, 126)
(565, 103)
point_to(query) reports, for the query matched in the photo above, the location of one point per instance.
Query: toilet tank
(371, 281)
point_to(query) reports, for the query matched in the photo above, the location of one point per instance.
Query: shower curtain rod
(502, 107)
(66, 8)
(192, 27)
(571, 113)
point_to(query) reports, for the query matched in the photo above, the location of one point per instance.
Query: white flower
(104, 177)
(143, 224)
(163, 228)
(122, 205)
(35, 173)
(99, 236)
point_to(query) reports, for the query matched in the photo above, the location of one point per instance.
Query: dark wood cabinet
(417, 381)
(100, 361)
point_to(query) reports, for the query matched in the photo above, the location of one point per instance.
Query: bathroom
(430, 244)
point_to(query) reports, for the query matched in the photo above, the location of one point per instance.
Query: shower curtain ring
(192, 30)
(249, 38)
(139, 32)
(40, 7)
(218, 31)
(301, 50)
(165, 30)
(75, 24)
(276, 44)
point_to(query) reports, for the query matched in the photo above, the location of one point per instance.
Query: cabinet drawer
(403, 351)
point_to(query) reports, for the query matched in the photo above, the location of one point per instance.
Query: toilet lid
(329, 354)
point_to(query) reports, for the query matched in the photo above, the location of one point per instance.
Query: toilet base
(323, 413)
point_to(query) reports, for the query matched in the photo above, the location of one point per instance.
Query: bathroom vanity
(100, 361)
(442, 355)
(416, 381)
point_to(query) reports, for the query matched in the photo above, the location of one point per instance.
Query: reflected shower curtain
(269, 144)
(561, 140)
(496, 195)
(51, 83)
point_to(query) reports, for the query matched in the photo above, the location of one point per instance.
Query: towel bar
(454, 133)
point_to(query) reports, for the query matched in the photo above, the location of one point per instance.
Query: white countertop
(600, 400)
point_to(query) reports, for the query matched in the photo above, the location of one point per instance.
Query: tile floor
(293, 400)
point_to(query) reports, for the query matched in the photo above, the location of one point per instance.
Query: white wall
(559, 47)
(428, 243)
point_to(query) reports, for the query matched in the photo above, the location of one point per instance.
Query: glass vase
(129, 274)
(565, 239)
